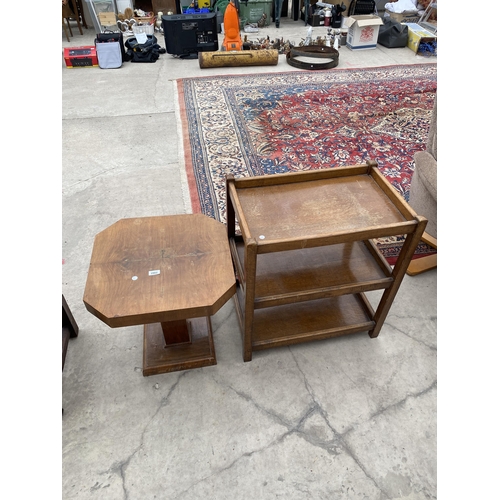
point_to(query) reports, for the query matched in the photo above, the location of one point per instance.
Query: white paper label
(141, 37)
(154, 273)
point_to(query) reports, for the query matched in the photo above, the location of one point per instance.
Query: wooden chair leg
(77, 16)
(430, 240)
(69, 328)
(69, 27)
(65, 30)
(74, 8)
(418, 266)
(423, 264)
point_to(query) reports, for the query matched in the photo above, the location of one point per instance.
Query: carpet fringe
(186, 196)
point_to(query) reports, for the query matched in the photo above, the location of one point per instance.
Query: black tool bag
(361, 7)
(114, 37)
(392, 34)
(143, 52)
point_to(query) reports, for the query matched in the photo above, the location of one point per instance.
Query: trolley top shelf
(319, 207)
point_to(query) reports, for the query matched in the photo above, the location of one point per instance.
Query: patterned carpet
(284, 122)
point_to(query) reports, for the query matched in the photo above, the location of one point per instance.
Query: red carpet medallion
(269, 123)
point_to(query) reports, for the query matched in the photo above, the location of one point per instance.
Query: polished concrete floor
(346, 418)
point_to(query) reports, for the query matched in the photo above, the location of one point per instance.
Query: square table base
(160, 358)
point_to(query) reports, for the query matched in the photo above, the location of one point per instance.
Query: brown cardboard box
(405, 17)
(107, 18)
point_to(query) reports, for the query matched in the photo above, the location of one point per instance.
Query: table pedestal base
(158, 357)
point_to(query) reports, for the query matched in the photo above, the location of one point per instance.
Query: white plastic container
(147, 29)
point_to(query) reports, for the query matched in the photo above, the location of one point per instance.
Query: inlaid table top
(159, 269)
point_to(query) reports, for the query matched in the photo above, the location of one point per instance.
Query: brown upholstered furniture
(423, 195)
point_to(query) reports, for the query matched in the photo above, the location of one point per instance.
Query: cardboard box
(418, 35)
(405, 17)
(107, 18)
(362, 31)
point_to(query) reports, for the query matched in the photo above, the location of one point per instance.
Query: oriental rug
(268, 123)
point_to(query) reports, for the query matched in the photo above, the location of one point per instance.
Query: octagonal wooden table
(170, 273)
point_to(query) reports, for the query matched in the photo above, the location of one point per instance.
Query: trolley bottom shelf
(306, 321)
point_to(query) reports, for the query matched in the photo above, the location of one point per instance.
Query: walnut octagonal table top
(164, 268)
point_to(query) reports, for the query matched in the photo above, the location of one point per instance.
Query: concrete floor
(348, 418)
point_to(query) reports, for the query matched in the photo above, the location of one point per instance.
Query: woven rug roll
(240, 58)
